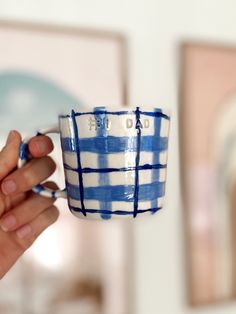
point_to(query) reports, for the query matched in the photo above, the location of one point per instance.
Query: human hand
(23, 214)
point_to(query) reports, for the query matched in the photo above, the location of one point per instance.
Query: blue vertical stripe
(156, 156)
(24, 153)
(136, 182)
(76, 139)
(105, 205)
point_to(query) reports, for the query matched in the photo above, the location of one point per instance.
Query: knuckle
(25, 243)
(5, 204)
(48, 218)
(34, 170)
(7, 163)
(52, 214)
(43, 202)
(27, 177)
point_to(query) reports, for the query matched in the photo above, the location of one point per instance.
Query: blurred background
(180, 55)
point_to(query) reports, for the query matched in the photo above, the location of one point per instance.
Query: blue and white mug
(115, 161)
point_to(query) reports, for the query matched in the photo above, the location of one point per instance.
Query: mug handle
(25, 156)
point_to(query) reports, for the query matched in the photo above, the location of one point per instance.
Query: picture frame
(206, 114)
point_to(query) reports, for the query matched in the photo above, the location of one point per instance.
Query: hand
(23, 214)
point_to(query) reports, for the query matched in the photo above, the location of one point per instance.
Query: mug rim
(125, 108)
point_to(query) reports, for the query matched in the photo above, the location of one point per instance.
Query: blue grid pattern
(103, 146)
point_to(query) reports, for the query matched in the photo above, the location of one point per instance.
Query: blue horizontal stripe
(115, 212)
(118, 193)
(119, 113)
(107, 170)
(112, 144)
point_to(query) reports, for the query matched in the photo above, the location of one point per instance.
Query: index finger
(9, 154)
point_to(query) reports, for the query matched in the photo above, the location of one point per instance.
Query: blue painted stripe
(112, 144)
(137, 159)
(147, 192)
(156, 157)
(77, 146)
(24, 153)
(38, 188)
(108, 170)
(157, 114)
(119, 113)
(103, 162)
(116, 212)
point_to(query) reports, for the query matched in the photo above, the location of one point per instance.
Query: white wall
(154, 28)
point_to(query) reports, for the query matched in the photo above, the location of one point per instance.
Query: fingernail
(24, 231)
(8, 186)
(40, 147)
(11, 136)
(8, 223)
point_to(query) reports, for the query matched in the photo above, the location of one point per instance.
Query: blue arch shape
(29, 101)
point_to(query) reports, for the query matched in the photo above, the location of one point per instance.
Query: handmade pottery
(114, 161)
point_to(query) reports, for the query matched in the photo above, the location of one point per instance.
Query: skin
(24, 215)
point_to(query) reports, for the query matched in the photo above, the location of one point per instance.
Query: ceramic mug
(114, 161)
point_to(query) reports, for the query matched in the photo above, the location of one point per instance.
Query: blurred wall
(154, 28)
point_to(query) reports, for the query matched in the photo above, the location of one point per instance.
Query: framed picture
(208, 162)
(75, 266)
